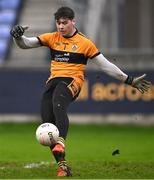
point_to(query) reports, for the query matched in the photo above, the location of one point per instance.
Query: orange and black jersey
(69, 55)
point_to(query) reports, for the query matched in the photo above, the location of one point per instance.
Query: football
(47, 134)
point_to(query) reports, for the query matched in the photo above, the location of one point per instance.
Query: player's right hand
(141, 84)
(17, 31)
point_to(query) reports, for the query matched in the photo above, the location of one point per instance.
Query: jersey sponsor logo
(66, 54)
(69, 57)
(62, 57)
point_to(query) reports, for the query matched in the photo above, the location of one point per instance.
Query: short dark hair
(64, 12)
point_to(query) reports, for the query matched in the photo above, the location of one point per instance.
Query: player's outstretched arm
(17, 32)
(111, 69)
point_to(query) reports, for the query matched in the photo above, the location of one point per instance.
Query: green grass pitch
(88, 150)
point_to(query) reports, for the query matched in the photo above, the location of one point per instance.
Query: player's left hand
(17, 31)
(141, 84)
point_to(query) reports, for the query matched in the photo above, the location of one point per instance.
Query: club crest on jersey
(74, 47)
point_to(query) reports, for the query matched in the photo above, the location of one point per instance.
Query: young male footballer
(70, 51)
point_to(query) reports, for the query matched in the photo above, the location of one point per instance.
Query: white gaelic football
(47, 134)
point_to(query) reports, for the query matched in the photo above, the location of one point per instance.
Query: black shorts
(56, 91)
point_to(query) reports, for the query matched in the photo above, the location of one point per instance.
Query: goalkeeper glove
(17, 31)
(139, 82)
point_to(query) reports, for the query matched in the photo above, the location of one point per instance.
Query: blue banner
(21, 91)
(103, 94)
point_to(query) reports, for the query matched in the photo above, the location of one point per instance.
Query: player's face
(66, 26)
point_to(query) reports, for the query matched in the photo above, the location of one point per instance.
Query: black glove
(17, 31)
(139, 82)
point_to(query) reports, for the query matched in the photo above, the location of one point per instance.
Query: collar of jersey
(72, 35)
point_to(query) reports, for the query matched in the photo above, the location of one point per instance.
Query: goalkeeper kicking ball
(47, 134)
